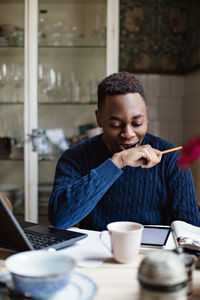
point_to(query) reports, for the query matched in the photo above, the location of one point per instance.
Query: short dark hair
(119, 84)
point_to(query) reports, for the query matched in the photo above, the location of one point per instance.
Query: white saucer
(80, 287)
(4, 274)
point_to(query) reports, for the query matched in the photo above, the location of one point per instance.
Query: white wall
(165, 105)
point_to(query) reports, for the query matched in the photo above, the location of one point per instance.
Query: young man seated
(121, 173)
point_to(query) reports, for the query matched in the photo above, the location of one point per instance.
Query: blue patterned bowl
(40, 273)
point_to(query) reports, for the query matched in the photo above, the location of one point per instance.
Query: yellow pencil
(171, 150)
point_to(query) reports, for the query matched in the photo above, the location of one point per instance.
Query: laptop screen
(11, 234)
(16, 236)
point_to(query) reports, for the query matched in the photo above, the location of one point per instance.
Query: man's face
(123, 119)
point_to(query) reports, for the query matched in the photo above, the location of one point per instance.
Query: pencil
(171, 150)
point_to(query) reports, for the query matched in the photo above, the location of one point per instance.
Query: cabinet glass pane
(72, 60)
(11, 103)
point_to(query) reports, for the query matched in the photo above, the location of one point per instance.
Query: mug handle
(102, 236)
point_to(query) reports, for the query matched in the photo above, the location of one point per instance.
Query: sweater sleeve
(182, 194)
(74, 196)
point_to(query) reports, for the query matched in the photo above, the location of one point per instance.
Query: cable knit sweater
(89, 188)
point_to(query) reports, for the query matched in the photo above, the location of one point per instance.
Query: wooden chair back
(7, 201)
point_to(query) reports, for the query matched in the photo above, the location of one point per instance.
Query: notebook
(22, 236)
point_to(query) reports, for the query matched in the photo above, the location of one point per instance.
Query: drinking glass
(100, 26)
(74, 85)
(55, 33)
(53, 83)
(3, 81)
(71, 35)
(16, 78)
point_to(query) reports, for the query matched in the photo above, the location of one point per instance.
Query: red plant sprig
(189, 153)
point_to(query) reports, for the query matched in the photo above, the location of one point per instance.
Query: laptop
(23, 236)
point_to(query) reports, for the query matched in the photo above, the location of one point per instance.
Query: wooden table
(115, 281)
(119, 281)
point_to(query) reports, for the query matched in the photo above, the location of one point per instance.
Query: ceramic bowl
(40, 273)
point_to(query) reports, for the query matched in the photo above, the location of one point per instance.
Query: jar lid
(162, 268)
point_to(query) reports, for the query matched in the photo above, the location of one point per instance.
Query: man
(121, 174)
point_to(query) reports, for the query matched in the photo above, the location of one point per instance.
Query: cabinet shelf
(55, 47)
(67, 103)
(11, 103)
(51, 103)
(10, 159)
(11, 46)
(71, 46)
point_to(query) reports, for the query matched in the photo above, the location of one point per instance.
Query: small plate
(80, 287)
(4, 274)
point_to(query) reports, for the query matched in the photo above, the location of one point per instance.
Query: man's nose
(128, 132)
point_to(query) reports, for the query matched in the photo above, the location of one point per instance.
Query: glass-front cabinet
(52, 56)
(12, 102)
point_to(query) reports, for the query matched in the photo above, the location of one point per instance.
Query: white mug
(125, 238)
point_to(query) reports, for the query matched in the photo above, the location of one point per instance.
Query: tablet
(155, 235)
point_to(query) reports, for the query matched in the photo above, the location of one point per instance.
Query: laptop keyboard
(42, 241)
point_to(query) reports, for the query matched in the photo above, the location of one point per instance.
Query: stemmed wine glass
(3, 81)
(100, 26)
(53, 84)
(17, 80)
(42, 82)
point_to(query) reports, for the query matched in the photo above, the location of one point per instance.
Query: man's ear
(98, 118)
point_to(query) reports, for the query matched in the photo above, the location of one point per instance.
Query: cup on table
(125, 240)
(40, 273)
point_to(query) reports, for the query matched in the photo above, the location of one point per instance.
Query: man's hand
(142, 156)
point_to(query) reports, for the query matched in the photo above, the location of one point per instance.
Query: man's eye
(137, 125)
(115, 126)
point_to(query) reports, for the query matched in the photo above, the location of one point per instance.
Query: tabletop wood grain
(117, 281)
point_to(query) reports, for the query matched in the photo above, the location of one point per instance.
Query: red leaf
(189, 153)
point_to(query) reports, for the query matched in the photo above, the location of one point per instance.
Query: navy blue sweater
(89, 188)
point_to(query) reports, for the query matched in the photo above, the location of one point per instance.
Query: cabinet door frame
(30, 110)
(31, 92)
(112, 37)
